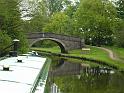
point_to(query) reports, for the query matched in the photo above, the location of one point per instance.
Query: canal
(73, 77)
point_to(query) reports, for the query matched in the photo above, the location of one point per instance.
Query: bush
(120, 35)
(120, 39)
(5, 41)
(23, 43)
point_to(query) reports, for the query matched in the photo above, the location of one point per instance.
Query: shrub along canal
(73, 77)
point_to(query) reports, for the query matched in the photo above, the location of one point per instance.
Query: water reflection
(62, 67)
(60, 62)
(78, 78)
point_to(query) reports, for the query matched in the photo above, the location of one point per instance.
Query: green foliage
(37, 23)
(96, 20)
(26, 27)
(70, 10)
(39, 16)
(10, 16)
(47, 7)
(120, 8)
(60, 24)
(119, 35)
(54, 6)
(5, 41)
(45, 44)
(23, 43)
(10, 23)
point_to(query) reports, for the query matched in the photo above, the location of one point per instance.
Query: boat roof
(21, 75)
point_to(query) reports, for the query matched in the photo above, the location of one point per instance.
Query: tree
(96, 20)
(71, 9)
(23, 43)
(10, 17)
(120, 8)
(45, 9)
(37, 23)
(50, 6)
(37, 12)
(59, 23)
(5, 41)
(119, 35)
(54, 6)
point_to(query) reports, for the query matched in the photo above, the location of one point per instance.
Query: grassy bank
(119, 52)
(94, 53)
(98, 54)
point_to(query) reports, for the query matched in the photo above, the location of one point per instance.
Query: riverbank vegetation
(101, 56)
(11, 25)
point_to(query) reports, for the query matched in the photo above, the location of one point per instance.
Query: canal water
(68, 77)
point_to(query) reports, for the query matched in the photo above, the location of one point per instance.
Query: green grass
(94, 53)
(97, 54)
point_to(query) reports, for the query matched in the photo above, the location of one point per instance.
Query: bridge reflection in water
(69, 68)
(77, 78)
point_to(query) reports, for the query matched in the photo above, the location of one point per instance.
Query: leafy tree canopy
(96, 20)
(10, 21)
(59, 23)
(5, 41)
(120, 8)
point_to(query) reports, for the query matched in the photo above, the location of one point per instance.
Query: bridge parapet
(52, 35)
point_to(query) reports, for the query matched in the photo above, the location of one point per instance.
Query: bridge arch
(59, 42)
(65, 42)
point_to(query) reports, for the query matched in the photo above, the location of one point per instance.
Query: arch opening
(57, 42)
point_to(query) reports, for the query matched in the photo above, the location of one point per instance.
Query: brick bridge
(65, 42)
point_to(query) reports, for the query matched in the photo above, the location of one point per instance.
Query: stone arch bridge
(65, 42)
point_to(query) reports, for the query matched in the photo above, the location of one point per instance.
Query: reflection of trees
(56, 62)
(95, 83)
(86, 84)
(91, 83)
(116, 83)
